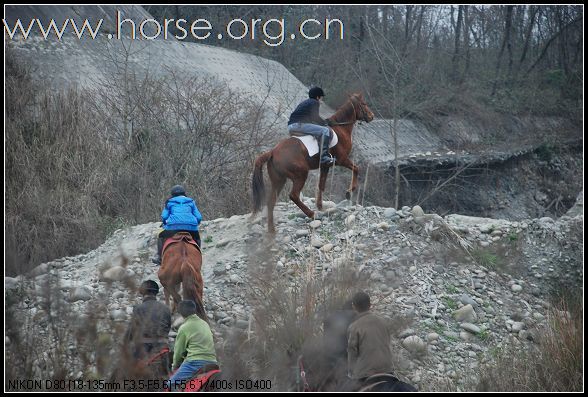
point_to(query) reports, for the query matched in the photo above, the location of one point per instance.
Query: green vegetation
(485, 258)
(450, 303)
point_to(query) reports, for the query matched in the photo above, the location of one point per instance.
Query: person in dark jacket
(368, 347)
(179, 214)
(305, 119)
(150, 324)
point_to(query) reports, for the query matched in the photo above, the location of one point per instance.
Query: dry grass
(554, 365)
(81, 164)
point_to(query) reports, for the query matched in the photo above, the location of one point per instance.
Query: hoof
(348, 195)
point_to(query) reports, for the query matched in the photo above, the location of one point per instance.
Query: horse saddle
(180, 236)
(312, 144)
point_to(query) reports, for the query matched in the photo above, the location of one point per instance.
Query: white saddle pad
(312, 145)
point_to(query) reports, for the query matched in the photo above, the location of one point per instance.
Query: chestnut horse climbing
(289, 160)
(182, 263)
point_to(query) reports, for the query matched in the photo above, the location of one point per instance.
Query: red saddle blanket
(180, 236)
(197, 383)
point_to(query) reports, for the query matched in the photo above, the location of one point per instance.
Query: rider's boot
(157, 259)
(326, 158)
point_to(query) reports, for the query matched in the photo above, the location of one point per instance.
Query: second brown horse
(182, 263)
(289, 160)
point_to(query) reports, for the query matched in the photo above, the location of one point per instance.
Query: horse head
(360, 107)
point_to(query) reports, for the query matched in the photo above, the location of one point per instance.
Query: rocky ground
(468, 285)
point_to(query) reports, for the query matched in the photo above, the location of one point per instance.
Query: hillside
(451, 310)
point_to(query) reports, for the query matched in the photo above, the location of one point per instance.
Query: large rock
(414, 344)
(465, 314)
(116, 273)
(80, 294)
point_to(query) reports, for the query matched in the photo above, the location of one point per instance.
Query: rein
(303, 374)
(335, 123)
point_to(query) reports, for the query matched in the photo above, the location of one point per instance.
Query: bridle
(362, 118)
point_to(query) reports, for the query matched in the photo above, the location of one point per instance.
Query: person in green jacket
(194, 346)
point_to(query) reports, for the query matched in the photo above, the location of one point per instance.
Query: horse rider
(305, 119)
(194, 347)
(368, 346)
(147, 334)
(179, 214)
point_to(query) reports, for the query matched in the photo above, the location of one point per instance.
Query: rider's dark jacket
(150, 324)
(307, 112)
(368, 347)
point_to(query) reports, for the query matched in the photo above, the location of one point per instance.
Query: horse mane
(346, 111)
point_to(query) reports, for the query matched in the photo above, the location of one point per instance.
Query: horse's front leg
(321, 189)
(347, 163)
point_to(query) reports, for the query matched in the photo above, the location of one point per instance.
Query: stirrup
(328, 161)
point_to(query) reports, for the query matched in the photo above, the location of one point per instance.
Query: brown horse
(181, 263)
(289, 160)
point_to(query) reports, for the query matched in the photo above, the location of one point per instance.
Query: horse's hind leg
(297, 185)
(176, 298)
(321, 189)
(277, 185)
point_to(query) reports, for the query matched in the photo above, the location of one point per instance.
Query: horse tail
(257, 185)
(190, 288)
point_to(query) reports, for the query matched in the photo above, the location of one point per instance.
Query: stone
(327, 247)
(516, 288)
(315, 224)
(118, 315)
(389, 213)
(474, 329)
(219, 269)
(417, 211)
(350, 220)
(301, 233)
(517, 326)
(414, 344)
(116, 273)
(468, 300)
(41, 269)
(406, 333)
(383, 226)
(433, 336)
(235, 278)
(465, 314)
(316, 242)
(80, 294)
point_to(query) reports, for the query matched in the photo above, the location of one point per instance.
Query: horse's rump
(386, 382)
